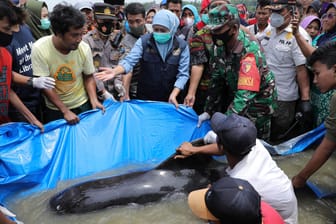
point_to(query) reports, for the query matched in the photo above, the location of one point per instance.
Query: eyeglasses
(328, 16)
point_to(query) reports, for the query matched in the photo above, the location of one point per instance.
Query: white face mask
(276, 20)
(188, 21)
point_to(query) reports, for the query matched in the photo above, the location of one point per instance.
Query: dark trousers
(51, 115)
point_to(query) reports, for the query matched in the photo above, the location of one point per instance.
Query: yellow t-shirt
(67, 70)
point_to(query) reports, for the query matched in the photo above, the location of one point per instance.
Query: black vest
(157, 77)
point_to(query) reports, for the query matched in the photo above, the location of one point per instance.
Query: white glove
(203, 117)
(107, 95)
(120, 89)
(210, 137)
(6, 212)
(44, 83)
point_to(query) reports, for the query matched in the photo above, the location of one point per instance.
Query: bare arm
(187, 149)
(20, 79)
(305, 47)
(320, 156)
(69, 116)
(303, 81)
(90, 86)
(195, 77)
(17, 103)
(126, 79)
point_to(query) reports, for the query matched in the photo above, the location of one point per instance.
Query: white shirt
(269, 181)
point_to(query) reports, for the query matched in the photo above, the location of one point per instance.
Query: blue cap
(235, 133)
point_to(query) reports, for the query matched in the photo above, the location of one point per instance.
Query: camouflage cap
(277, 5)
(105, 11)
(221, 15)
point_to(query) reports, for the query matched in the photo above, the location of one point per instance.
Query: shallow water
(174, 209)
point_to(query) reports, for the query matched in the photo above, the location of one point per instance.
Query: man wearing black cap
(248, 159)
(232, 201)
(104, 42)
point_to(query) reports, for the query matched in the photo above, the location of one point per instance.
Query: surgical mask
(205, 18)
(161, 38)
(137, 31)
(277, 20)
(45, 24)
(105, 28)
(188, 21)
(5, 39)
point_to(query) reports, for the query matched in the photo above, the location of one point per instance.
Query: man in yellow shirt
(65, 57)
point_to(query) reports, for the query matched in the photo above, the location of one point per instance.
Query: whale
(170, 177)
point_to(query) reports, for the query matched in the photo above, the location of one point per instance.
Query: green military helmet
(221, 15)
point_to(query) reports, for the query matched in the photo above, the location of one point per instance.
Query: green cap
(221, 15)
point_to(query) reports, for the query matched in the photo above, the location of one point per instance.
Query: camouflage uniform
(240, 80)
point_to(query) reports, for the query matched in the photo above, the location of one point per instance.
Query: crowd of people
(265, 74)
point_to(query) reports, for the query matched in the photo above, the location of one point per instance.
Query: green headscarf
(34, 8)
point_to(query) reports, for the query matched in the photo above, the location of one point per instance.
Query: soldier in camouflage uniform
(240, 80)
(104, 42)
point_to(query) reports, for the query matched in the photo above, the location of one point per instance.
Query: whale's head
(65, 201)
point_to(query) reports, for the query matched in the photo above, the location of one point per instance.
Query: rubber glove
(107, 95)
(210, 137)
(43, 82)
(306, 109)
(203, 117)
(120, 89)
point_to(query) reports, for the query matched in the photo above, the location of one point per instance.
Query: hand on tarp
(210, 137)
(298, 181)
(43, 82)
(203, 117)
(306, 109)
(185, 150)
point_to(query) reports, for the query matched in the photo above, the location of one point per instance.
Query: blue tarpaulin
(133, 132)
(127, 133)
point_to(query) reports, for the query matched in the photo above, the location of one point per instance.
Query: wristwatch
(30, 82)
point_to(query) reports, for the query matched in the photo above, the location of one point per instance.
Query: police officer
(105, 45)
(240, 80)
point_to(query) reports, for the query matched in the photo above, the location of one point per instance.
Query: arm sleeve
(39, 62)
(133, 57)
(183, 69)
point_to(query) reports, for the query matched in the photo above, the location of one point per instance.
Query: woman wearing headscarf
(164, 61)
(190, 18)
(38, 19)
(312, 24)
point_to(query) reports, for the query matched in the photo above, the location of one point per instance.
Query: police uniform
(240, 81)
(283, 56)
(105, 52)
